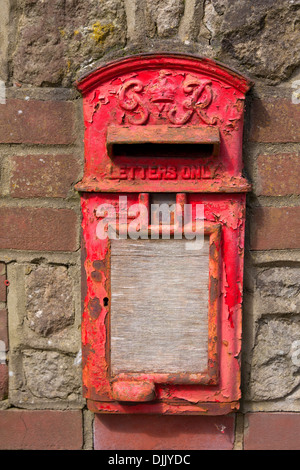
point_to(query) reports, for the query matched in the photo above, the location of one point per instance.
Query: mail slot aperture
(163, 202)
(160, 141)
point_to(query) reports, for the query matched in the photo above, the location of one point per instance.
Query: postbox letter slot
(162, 141)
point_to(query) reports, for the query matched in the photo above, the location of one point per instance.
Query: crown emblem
(162, 89)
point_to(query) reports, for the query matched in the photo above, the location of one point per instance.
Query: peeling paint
(183, 98)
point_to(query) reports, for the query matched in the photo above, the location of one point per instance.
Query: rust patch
(98, 264)
(96, 276)
(213, 251)
(213, 292)
(94, 308)
(86, 351)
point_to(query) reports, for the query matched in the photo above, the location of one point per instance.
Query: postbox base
(165, 408)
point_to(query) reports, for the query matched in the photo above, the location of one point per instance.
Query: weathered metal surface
(137, 391)
(164, 408)
(176, 92)
(179, 94)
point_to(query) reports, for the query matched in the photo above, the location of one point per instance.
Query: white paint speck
(221, 427)
(296, 92)
(78, 358)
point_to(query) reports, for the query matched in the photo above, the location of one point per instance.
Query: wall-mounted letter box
(163, 204)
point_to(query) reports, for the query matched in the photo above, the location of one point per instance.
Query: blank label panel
(159, 306)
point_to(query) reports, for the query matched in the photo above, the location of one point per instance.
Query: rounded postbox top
(163, 122)
(185, 62)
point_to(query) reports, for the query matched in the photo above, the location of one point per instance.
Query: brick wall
(44, 47)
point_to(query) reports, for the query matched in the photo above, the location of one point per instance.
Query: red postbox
(161, 327)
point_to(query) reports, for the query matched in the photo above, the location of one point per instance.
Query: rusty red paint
(165, 98)
(136, 391)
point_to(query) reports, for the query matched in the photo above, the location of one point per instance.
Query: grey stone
(276, 360)
(261, 36)
(57, 38)
(51, 375)
(278, 290)
(163, 17)
(191, 21)
(49, 299)
(135, 20)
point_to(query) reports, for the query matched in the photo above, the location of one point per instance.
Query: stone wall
(45, 46)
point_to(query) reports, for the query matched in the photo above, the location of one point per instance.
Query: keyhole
(105, 301)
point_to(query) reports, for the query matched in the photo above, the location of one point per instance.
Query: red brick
(275, 228)
(275, 119)
(278, 175)
(41, 229)
(40, 430)
(138, 432)
(3, 383)
(2, 288)
(3, 328)
(43, 175)
(37, 122)
(272, 431)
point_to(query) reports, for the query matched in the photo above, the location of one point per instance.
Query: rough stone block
(163, 17)
(44, 329)
(278, 290)
(44, 308)
(51, 375)
(275, 364)
(49, 299)
(57, 37)
(248, 33)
